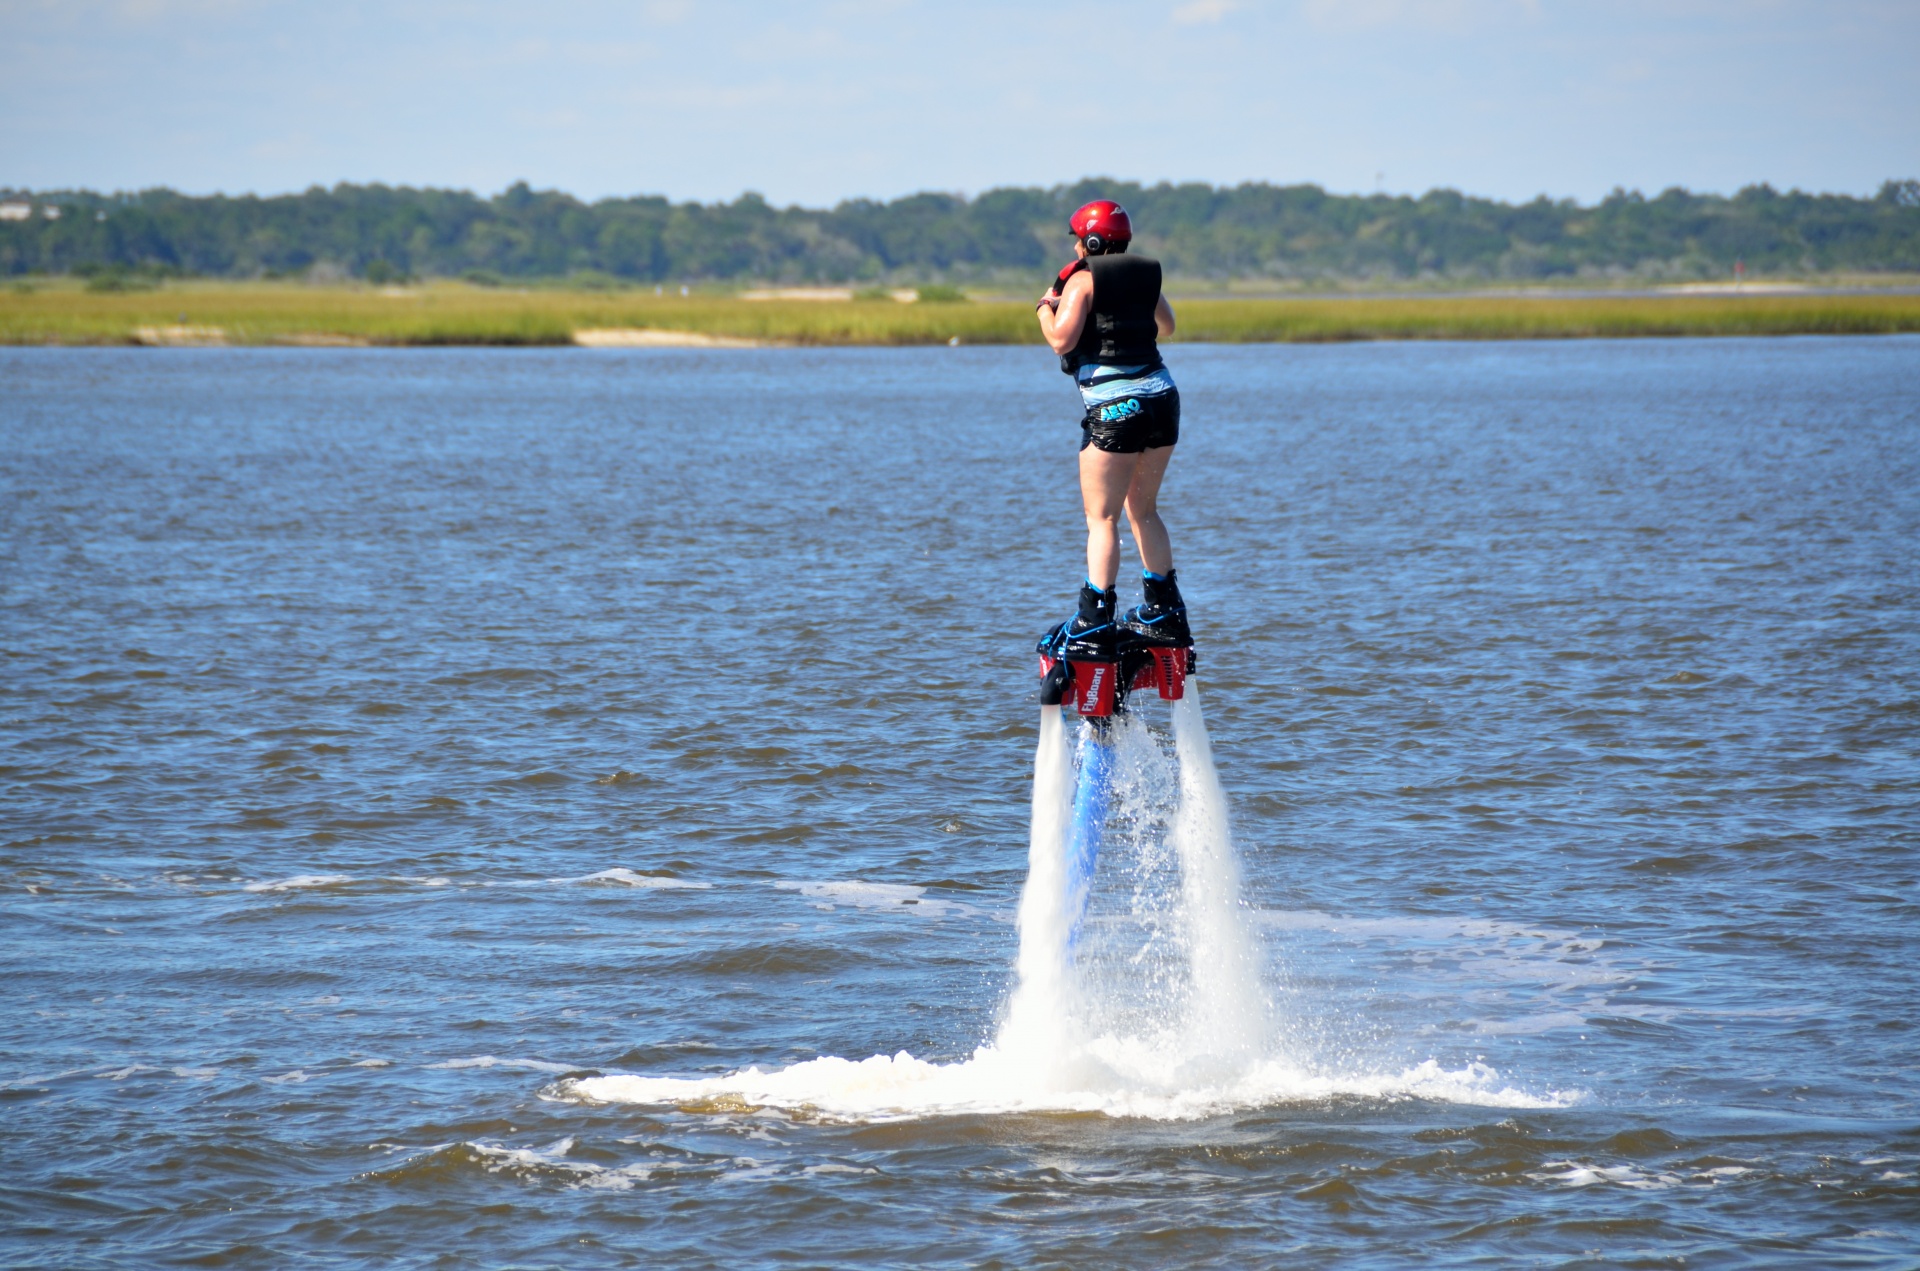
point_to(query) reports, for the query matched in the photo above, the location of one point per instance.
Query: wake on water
(1153, 1006)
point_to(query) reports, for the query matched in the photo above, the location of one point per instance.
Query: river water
(489, 808)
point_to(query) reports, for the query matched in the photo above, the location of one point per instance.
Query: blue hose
(1089, 828)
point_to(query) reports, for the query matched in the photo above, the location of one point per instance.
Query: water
(398, 742)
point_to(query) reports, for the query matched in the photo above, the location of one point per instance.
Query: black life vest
(1120, 329)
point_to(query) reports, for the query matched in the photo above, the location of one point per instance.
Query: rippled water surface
(393, 738)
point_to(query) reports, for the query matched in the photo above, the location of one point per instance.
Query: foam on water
(1579, 1174)
(618, 876)
(1161, 1013)
(301, 882)
(628, 878)
(1122, 1077)
(863, 895)
(512, 1065)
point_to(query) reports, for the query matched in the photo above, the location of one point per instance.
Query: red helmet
(1101, 225)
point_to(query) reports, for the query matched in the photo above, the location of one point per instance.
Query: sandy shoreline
(180, 336)
(656, 338)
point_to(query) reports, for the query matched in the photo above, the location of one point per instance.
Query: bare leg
(1105, 480)
(1143, 510)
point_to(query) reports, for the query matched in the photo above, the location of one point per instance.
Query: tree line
(1247, 231)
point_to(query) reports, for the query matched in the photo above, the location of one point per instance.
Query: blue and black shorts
(1128, 425)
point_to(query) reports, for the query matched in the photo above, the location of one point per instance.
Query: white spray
(1041, 1000)
(1227, 1014)
(1185, 1008)
(1176, 1026)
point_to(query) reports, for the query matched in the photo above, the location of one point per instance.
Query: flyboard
(1098, 692)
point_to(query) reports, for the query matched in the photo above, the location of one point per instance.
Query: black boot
(1161, 619)
(1090, 633)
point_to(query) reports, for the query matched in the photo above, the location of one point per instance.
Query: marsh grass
(1545, 317)
(458, 313)
(63, 312)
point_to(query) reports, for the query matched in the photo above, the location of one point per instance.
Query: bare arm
(1062, 320)
(1163, 316)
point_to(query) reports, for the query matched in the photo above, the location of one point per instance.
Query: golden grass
(449, 313)
(1546, 317)
(453, 313)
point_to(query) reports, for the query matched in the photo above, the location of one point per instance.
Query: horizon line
(12, 191)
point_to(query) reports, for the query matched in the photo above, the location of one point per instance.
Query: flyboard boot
(1160, 619)
(1079, 656)
(1090, 633)
(1093, 661)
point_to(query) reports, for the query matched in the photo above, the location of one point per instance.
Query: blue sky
(814, 102)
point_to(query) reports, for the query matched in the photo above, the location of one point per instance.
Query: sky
(813, 101)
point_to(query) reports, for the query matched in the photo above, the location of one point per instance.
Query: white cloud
(171, 10)
(1197, 11)
(1445, 15)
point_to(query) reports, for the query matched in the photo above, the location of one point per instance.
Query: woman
(1103, 316)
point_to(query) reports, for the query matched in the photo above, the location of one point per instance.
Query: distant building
(15, 211)
(50, 211)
